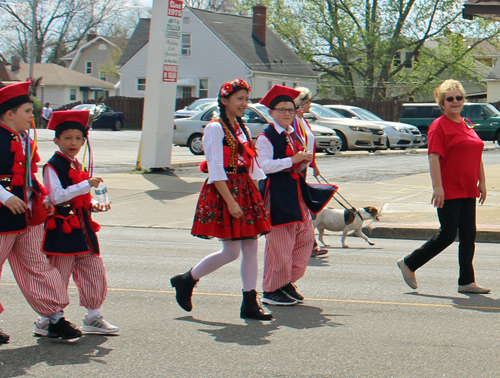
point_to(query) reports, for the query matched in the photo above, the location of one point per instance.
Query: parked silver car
(399, 135)
(194, 108)
(355, 134)
(189, 131)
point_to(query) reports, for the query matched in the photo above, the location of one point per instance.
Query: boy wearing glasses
(289, 244)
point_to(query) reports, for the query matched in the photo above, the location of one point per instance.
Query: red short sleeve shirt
(460, 151)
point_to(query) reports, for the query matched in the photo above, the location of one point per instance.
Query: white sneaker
(41, 328)
(99, 325)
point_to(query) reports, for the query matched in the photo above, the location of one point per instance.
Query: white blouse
(214, 153)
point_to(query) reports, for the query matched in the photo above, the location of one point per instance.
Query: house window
(186, 45)
(72, 94)
(141, 84)
(284, 83)
(102, 46)
(294, 85)
(269, 84)
(397, 59)
(88, 68)
(203, 89)
(186, 92)
(185, 20)
(102, 75)
(408, 60)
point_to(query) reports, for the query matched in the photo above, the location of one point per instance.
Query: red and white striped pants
(89, 276)
(287, 252)
(40, 282)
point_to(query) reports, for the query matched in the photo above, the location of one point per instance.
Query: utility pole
(33, 39)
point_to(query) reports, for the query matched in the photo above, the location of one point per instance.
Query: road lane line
(307, 299)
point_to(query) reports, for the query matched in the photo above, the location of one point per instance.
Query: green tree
(381, 49)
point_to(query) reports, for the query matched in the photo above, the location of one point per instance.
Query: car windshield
(265, 112)
(367, 115)
(324, 112)
(199, 104)
(491, 110)
(249, 116)
(84, 107)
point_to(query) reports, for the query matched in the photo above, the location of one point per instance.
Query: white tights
(230, 252)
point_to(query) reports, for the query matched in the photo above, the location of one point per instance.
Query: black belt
(239, 170)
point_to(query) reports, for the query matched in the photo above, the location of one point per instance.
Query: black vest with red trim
(280, 189)
(80, 239)
(9, 222)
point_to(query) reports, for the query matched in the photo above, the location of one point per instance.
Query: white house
(61, 86)
(216, 48)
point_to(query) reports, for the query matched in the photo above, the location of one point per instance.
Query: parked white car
(355, 134)
(189, 131)
(399, 135)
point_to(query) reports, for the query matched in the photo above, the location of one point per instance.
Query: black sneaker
(291, 292)
(4, 338)
(63, 329)
(278, 298)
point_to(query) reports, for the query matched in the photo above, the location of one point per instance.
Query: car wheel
(118, 125)
(423, 131)
(195, 144)
(343, 144)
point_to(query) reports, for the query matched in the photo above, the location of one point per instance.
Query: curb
(412, 151)
(402, 231)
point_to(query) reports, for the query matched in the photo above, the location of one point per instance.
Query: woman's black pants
(456, 214)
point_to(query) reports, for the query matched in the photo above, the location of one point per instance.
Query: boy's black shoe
(277, 298)
(290, 290)
(4, 338)
(63, 329)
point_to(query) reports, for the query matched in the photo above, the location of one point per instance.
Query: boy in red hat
(23, 209)
(288, 198)
(70, 234)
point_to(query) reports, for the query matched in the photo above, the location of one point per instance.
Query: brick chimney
(92, 34)
(16, 64)
(259, 23)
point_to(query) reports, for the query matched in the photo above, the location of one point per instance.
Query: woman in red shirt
(457, 173)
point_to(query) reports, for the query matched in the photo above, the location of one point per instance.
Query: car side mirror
(259, 120)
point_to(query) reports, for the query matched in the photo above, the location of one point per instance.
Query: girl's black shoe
(250, 308)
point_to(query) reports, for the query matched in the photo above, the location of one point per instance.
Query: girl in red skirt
(230, 206)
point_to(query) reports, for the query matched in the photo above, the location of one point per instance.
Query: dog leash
(340, 195)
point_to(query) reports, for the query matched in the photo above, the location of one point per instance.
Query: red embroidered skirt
(212, 217)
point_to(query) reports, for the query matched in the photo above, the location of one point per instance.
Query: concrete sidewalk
(168, 200)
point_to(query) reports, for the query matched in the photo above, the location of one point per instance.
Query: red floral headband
(228, 88)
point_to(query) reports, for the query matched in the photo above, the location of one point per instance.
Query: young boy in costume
(70, 234)
(289, 199)
(22, 213)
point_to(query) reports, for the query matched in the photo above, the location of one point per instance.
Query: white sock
(43, 319)
(92, 313)
(55, 318)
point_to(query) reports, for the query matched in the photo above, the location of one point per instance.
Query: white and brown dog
(345, 221)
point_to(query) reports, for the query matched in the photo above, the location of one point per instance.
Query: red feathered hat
(277, 94)
(14, 95)
(69, 119)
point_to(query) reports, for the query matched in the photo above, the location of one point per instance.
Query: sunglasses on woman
(451, 98)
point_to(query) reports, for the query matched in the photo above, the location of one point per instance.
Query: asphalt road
(359, 318)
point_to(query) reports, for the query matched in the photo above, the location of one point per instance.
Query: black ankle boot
(184, 284)
(250, 308)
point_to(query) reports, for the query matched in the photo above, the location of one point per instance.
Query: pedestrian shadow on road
(53, 352)
(170, 186)
(254, 332)
(477, 302)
